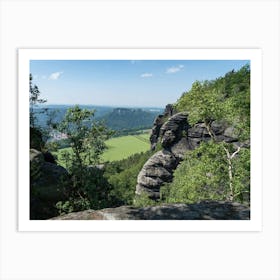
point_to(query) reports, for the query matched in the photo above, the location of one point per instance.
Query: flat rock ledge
(206, 210)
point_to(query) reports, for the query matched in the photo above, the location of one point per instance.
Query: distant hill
(56, 112)
(118, 119)
(130, 118)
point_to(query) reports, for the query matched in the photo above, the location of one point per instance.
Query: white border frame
(254, 55)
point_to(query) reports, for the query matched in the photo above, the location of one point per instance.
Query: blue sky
(132, 83)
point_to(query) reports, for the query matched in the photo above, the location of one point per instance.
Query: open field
(125, 146)
(119, 147)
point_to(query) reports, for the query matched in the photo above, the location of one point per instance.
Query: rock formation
(176, 137)
(158, 122)
(206, 210)
(36, 138)
(47, 186)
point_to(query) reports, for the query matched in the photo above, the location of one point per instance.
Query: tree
(87, 142)
(34, 100)
(227, 99)
(36, 133)
(122, 176)
(203, 176)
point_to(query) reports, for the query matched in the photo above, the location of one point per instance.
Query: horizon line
(113, 106)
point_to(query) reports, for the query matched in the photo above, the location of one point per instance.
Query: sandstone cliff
(176, 137)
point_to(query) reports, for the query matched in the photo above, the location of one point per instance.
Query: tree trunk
(210, 132)
(229, 160)
(230, 176)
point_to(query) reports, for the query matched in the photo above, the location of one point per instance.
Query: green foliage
(143, 200)
(86, 137)
(36, 133)
(87, 141)
(34, 99)
(122, 176)
(226, 98)
(222, 171)
(89, 190)
(203, 175)
(241, 176)
(72, 205)
(53, 147)
(202, 103)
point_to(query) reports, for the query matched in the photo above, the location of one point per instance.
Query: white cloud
(174, 69)
(146, 75)
(55, 75)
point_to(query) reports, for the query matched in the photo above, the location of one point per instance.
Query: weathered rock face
(157, 170)
(48, 182)
(158, 122)
(207, 210)
(177, 137)
(174, 129)
(199, 133)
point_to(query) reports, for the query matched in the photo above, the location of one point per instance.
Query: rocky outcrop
(176, 137)
(36, 138)
(155, 172)
(198, 133)
(159, 168)
(206, 210)
(48, 183)
(174, 129)
(158, 122)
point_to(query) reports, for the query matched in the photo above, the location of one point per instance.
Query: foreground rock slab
(206, 210)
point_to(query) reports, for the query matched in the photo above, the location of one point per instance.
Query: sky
(128, 83)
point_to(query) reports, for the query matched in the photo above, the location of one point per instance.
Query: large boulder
(48, 184)
(207, 210)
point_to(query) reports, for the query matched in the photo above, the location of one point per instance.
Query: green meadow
(119, 147)
(125, 146)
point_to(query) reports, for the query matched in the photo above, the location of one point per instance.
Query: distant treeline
(124, 121)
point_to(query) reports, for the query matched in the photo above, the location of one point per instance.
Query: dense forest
(214, 170)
